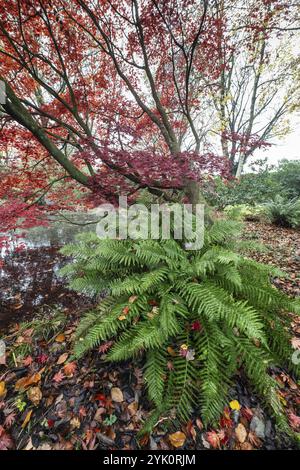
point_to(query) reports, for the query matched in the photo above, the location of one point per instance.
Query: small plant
(283, 212)
(196, 316)
(245, 212)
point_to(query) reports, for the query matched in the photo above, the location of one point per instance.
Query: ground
(49, 401)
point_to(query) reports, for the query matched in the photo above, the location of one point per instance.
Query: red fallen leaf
(247, 413)
(294, 421)
(58, 377)
(50, 423)
(9, 420)
(196, 326)
(82, 412)
(105, 347)
(125, 310)
(225, 422)
(27, 361)
(42, 358)
(101, 398)
(152, 302)
(213, 439)
(6, 441)
(170, 365)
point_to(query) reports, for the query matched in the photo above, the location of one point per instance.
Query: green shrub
(288, 178)
(283, 212)
(251, 189)
(245, 212)
(197, 317)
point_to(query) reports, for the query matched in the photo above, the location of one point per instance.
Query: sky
(287, 147)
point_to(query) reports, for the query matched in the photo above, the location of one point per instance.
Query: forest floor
(48, 401)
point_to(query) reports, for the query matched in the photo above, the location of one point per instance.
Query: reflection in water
(29, 278)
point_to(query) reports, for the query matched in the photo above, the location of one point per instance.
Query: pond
(29, 279)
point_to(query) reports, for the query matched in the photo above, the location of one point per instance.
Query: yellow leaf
(177, 439)
(234, 405)
(35, 395)
(122, 317)
(27, 419)
(184, 347)
(117, 395)
(60, 338)
(2, 389)
(75, 423)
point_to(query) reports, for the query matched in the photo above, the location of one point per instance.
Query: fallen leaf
(62, 358)
(171, 351)
(213, 439)
(246, 446)
(294, 421)
(27, 419)
(132, 408)
(295, 342)
(26, 382)
(70, 369)
(58, 377)
(234, 405)
(27, 361)
(241, 433)
(132, 299)
(35, 395)
(60, 338)
(2, 352)
(2, 389)
(75, 423)
(177, 439)
(117, 395)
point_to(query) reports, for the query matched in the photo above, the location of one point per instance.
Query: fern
(197, 316)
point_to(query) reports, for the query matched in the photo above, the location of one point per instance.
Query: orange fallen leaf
(60, 338)
(171, 351)
(2, 389)
(177, 439)
(25, 382)
(27, 419)
(70, 369)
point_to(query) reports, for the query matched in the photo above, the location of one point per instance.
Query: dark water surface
(29, 278)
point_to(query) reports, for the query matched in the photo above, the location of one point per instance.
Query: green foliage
(256, 188)
(197, 316)
(250, 189)
(282, 212)
(245, 212)
(288, 178)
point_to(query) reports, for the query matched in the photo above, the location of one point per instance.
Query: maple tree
(106, 98)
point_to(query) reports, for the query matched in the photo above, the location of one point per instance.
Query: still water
(29, 279)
